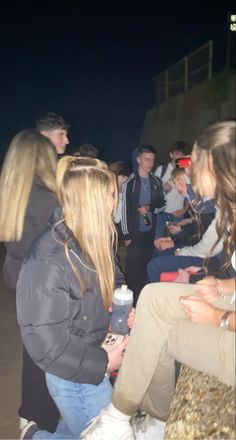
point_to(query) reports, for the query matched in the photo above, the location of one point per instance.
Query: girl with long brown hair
(193, 324)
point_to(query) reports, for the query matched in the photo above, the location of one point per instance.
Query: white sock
(113, 411)
(22, 422)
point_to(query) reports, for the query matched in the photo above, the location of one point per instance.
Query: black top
(130, 203)
(41, 205)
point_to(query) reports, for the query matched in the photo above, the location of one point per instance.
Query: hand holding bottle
(115, 356)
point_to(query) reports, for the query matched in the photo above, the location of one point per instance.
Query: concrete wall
(185, 116)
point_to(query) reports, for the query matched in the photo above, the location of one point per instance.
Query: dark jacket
(193, 232)
(130, 203)
(41, 205)
(62, 329)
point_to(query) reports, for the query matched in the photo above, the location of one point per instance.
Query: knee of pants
(147, 294)
(161, 293)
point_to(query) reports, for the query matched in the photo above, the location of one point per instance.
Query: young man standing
(143, 199)
(175, 208)
(55, 128)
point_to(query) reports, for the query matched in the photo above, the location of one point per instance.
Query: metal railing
(186, 73)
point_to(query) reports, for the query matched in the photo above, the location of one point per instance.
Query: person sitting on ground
(188, 255)
(193, 324)
(175, 208)
(186, 232)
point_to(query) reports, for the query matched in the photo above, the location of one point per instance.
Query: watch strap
(224, 323)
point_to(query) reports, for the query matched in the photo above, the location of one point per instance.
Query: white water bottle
(121, 307)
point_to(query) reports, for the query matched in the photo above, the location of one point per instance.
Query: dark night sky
(94, 63)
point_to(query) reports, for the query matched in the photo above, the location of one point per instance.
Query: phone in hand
(197, 276)
(112, 341)
(184, 162)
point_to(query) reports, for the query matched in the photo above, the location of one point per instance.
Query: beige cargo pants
(161, 333)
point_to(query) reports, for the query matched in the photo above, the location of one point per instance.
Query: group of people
(149, 202)
(57, 222)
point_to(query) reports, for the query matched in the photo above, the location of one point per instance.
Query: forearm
(226, 286)
(185, 207)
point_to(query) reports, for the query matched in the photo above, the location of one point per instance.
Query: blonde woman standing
(64, 292)
(27, 199)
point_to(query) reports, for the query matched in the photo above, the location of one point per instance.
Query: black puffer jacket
(62, 330)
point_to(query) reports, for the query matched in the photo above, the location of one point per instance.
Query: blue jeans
(170, 264)
(77, 403)
(161, 223)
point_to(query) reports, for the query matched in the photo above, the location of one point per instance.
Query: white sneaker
(108, 427)
(148, 428)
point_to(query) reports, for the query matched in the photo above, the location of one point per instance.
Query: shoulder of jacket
(156, 179)
(130, 178)
(129, 182)
(47, 248)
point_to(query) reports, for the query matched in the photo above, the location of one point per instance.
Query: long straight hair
(215, 148)
(83, 185)
(30, 154)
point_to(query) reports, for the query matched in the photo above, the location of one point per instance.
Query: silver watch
(224, 322)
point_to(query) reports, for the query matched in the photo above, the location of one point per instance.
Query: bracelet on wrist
(224, 322)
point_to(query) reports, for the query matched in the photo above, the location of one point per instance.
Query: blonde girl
(64, 293)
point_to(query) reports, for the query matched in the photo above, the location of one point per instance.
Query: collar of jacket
(62, 232)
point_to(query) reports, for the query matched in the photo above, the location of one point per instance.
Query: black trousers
(37, 404)
(139, 253)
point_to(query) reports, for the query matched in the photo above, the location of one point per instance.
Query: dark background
(95, 63)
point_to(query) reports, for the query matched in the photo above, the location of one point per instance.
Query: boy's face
(146, 162)
(180, 184)
(59, 139)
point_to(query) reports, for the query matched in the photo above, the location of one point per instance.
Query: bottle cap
(123, 293)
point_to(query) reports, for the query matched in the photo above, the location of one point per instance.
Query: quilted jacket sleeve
(44, 311)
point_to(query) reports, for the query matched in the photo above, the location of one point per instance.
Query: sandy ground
(10, 362)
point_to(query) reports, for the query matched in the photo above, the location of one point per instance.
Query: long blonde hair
(217, 147)
(30, 154)
(83, 185)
